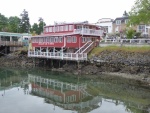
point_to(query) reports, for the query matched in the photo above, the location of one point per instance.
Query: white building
(106, 23)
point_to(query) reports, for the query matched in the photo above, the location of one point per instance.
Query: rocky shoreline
(132, 65)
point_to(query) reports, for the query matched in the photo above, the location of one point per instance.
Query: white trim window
(74, 39)
(70, 27)
(118, 22)
(141, 28)
(48, 39)
(51, 39)
(60, 39)
(79, 27)
(47, 29)
(83, 39)
(56, 39)
(58, 28)
(61, 28)
(36, 40)
(53, 29)
(50, 29)
(69, 39)
(66, 27)
(126, 21)
(41, 39)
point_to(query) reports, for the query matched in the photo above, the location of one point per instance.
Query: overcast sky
(66, 10)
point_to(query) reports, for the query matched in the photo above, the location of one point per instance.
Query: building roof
(55, 34)
(72, 23)
(14, 34)
(121, 18)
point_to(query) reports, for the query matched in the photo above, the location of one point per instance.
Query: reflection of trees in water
(131, 96)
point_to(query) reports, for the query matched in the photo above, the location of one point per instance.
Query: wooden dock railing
(11, 43)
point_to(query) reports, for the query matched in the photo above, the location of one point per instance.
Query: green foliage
(96, 51)
(130, 33)
(24, 24)
(13, 24)
(140, 12)
(3, 23)
(34, 28)
(38, 28)
(41, 25)
(138, 34)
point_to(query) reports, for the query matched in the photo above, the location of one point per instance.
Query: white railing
(83, 47)
(88, 47)
(58, 55)
(135, 41)
(11, 43)
(89, 32)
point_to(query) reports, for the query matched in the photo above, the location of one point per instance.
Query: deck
(58, 55)
(88, 32)
(11, 43)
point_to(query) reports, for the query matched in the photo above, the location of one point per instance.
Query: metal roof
(14, 34)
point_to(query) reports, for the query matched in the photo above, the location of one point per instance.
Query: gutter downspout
(64, 45)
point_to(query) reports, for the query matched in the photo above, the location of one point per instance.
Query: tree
(140, 12)
(3, 23)
(41, 25)
(130, 33)
(24, 23)
(13, 24)
(35, 29)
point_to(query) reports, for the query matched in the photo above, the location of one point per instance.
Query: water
(35, 91)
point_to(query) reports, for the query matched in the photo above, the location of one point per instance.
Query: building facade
(120, 24)
(106, 23)
(66, 41)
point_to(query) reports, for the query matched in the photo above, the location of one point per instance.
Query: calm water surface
(50, 92)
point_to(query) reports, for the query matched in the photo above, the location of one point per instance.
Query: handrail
(89, 32)
(87, 47)
(138, 41)
(58, 55)
(11, 43)
(82, 47)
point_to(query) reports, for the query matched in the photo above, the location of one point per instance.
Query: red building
(66, 41)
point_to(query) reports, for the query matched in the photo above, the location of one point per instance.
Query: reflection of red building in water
(69, 41)
(57, 95)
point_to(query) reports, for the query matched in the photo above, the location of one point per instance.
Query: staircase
(86, 48)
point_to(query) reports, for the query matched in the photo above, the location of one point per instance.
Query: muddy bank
(132, 65)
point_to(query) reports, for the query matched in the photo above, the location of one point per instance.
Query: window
(52, 39)
(70, 27)
(37, 39)
(58, 28)
(69, 39)
(47, 29)
(56, 39)
(66, 28)
(61, 28)
(40, 39)
(118, 22)
(74, 39)
(141, 28)
(83, 39)
(126, 21)
(79, 27)
(53, 29)
(60, 39)
(50, 29)
(48, 39)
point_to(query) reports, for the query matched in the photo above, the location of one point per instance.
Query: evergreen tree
(35, 29)
(24, 23)
(41, 25)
